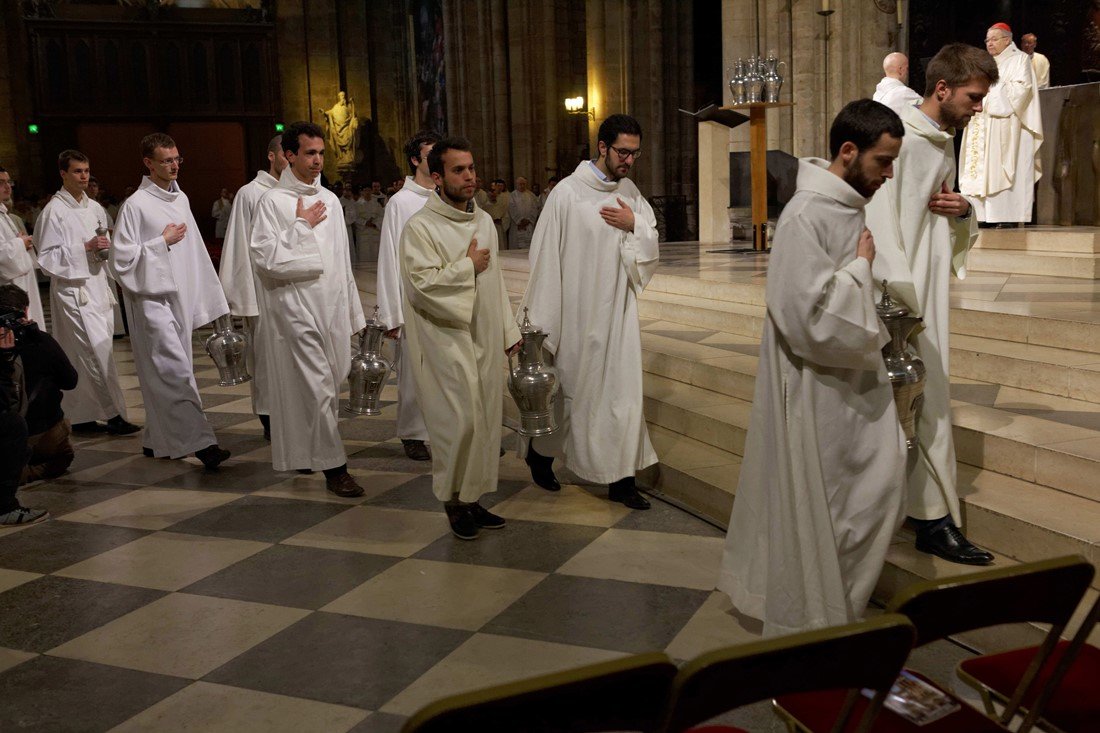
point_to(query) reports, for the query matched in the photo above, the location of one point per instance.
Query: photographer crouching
(46, 371)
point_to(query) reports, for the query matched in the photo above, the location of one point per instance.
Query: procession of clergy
(826, 478)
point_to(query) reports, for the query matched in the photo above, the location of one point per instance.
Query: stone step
(1041, 239)
(1061, 372)
(1050, 264)
(980, 318)
(695, 475)
(715, 419)
(729, 317)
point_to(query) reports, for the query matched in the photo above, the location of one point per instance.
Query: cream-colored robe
(459, 326)
(586, 277)
(402, 205)
(309, 306)
(1000, 146)
(522, 205)
(916, 253)
(368, 226)
(1041, 64)
(239, 282)
(82, 301)
(821, 486)
(17, 263)
(170, 291)
(498, 210)
(895, 94)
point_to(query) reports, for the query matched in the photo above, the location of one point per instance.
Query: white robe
(522, 206)
(459, 325)
(220, 212)
(402, 205)
(17, 263)
(916, 253)
(895, 95)
(1000, 147)
(1041, 64)
(586, 277)
(169, 293)
(368, 225)
(498, 211)
(310, 308)
(822, 480)
(82, 301)
(239, 281)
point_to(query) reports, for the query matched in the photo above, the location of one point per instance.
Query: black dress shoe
(463, 524)
(147, 452)
(119, 426)
(949, 543)
(626, 493)
(342, 484)
(87, 427)
(542, 470)
(484, 518)
(212, 456)
(265, 420)
(304, 471)
(416, 450)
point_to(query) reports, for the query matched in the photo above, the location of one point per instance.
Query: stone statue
(343, 129)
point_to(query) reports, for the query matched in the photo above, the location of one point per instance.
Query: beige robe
(17, 263)
(458, 326)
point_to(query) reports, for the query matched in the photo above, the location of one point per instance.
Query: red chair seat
(819, 711)
(1075, 705)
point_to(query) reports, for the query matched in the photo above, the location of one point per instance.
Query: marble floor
(164, 597)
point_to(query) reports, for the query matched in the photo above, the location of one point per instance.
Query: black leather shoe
(463, 525)
(265, 420)
(626, 493)
(212, 456)
(949, 543)
(118, 426)
(484, 518)
(87, 427)
(542, 470)
(416, 450)
(147, 452)
(342, 484)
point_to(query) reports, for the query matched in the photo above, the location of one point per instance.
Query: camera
(14, 321)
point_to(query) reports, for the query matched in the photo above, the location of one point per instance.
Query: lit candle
(825, 6)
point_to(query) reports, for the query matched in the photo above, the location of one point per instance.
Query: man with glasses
(593, 251)
(1000, 147)
(159, 258)
(17, 256)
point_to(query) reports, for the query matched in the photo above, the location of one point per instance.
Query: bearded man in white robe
(309, 306)
(82, 299)
(410, 199)
(239, 280)
(369, 209)
(158, 257)
(1000, 147)
(593, 253)
(460, 328)
(496, 206)
(923, 232)
(17, 255)
(523, 212)
(822, 480)
(893, 90)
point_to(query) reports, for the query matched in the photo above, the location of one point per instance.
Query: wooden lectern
(758, 162)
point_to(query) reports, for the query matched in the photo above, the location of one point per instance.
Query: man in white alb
(369, 208)
(1039, 62)
(82, 299)
(496, 206)
(523, 212)
(158, 257)
(309, 307)
(239, 280)
(407, 201)
(17, 256)
(893, 90)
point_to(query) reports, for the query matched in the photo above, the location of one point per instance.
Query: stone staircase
(1043, 250)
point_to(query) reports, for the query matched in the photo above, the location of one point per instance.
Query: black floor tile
(302, 577)
(214, 400)
(372, 429)
(56, 544)
(538, 546)
(92, 457)
(241, 476)
(52, 694)
(219, 420)
(143, 471)
(380, 723)
(339, 659)
(61, 496)
(662, 517)
(608, 614)
(48, 611)
(417, 494)
(386, 457)
(260, 518)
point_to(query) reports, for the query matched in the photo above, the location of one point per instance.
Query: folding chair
(1066, 693)
(863, 655)
(1043, 592)
(626, 694)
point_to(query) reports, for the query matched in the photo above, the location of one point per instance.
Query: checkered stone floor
(164, 597)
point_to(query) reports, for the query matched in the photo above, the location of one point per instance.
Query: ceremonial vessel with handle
(101, 254)
(227, 348)
(369, 370)
(533, 383)
(905, 368)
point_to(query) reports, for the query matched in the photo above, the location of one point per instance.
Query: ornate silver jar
(533, 384)
(905, 368)
(101, 254)
(369, 370)
(227, 348)
(773, 80)
(737, 83)
(754, 81)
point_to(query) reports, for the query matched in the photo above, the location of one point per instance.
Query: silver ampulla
(101, 254)
(533, 384)
(227, 348)
(905, 368)
(369, 370)
(773, 80)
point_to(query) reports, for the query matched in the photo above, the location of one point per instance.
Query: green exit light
(279, 127)
(32, 128)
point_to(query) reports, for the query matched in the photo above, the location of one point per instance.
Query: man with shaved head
(892, 90)
(1039, 62)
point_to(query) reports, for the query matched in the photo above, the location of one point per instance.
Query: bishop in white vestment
(171, 290)
(1000, 147)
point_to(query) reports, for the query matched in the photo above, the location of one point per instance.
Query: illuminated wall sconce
(575, 106)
